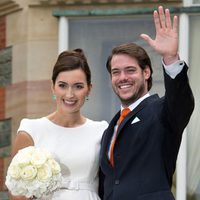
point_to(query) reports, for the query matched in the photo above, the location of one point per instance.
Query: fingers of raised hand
(156, 20)
(168, 19)
(175, 23)
(162, 19)
(161, 16)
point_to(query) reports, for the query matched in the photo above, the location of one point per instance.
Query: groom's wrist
(168, 60)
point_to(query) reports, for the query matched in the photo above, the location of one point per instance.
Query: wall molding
(119, 12)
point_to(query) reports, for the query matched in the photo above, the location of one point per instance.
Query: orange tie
(124, 112)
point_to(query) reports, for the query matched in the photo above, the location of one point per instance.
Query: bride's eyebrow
(63, 82)
(77, 83)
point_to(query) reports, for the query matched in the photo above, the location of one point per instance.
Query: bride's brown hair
(71, 60)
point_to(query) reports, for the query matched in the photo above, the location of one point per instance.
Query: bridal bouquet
(33, 173)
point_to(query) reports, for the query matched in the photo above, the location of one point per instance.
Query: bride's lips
(69, 102)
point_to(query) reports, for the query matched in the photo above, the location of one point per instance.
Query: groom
(138, 156)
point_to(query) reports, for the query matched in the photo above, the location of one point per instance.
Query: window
(97, 36)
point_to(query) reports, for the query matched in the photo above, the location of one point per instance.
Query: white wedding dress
(76, 150)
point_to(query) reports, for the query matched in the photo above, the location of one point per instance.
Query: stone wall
(5, 124)
(2, 32)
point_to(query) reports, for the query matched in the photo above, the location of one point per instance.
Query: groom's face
(129, 81)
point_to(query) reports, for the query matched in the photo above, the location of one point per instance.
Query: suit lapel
(109, 131)
(134, 112)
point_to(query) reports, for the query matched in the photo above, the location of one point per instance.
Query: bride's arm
(22, 140)
(17, 197)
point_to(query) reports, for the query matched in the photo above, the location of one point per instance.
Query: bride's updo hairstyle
(71, 60)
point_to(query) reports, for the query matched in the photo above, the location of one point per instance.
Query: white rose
(18, 191)
(44, 173)
(14, 171)
(23, 157)
(23, 160)
(28, 172)
(55, 167)
(38, 158)
(47, 154)
(27, 150)
(33, 172)
(34, 188)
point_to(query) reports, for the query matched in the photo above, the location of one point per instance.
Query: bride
(73, 139)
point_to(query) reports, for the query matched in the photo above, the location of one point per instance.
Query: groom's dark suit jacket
(147, 145)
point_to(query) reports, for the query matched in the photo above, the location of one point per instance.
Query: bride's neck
(67, 120)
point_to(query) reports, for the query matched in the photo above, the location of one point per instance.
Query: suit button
(116, 182)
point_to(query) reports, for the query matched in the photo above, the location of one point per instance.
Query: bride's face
(71, 89)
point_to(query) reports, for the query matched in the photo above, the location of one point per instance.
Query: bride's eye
(62, 85)
(79, 86)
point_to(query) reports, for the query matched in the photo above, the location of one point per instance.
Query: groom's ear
(147, 72)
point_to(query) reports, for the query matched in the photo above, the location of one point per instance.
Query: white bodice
(77, 151)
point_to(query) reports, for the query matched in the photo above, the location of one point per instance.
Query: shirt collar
(136, 103)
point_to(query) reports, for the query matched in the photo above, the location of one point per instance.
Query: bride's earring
(54, 97)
